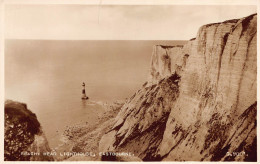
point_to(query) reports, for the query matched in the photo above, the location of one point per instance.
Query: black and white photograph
(135, 82)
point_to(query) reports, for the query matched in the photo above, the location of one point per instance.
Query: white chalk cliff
(199, 103)
(161, 62)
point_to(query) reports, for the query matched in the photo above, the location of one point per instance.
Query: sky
(39, 56)
(51, 49)
(114, 22)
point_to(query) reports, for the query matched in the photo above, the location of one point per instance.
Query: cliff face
(142, 120)
(206, 111)
(23, 135)
(217, 88)
(165, 61)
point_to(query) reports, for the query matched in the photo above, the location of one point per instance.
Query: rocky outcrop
(165, 61)
(141, 121)
(24, 139)
(209, 114)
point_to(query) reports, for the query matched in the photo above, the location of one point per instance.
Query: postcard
(130, 81)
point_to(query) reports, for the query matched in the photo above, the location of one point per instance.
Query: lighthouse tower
(84, 96)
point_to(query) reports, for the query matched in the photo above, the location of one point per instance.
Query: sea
(47, 75)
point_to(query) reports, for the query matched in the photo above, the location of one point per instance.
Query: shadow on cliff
(22, 135)
(205, 113)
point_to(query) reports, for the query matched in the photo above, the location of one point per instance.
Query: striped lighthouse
(84, 96)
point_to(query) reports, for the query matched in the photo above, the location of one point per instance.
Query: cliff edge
(24, 139)
(203, 110)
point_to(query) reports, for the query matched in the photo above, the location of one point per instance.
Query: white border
(136, 2)
(115, 2)
(2, 80)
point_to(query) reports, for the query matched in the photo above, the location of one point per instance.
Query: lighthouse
(84, 96)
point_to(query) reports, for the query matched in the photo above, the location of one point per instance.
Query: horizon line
(94, 39)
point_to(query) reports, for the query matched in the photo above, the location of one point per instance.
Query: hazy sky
(114, 22)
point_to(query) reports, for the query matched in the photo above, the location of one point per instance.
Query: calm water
(47, 75)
